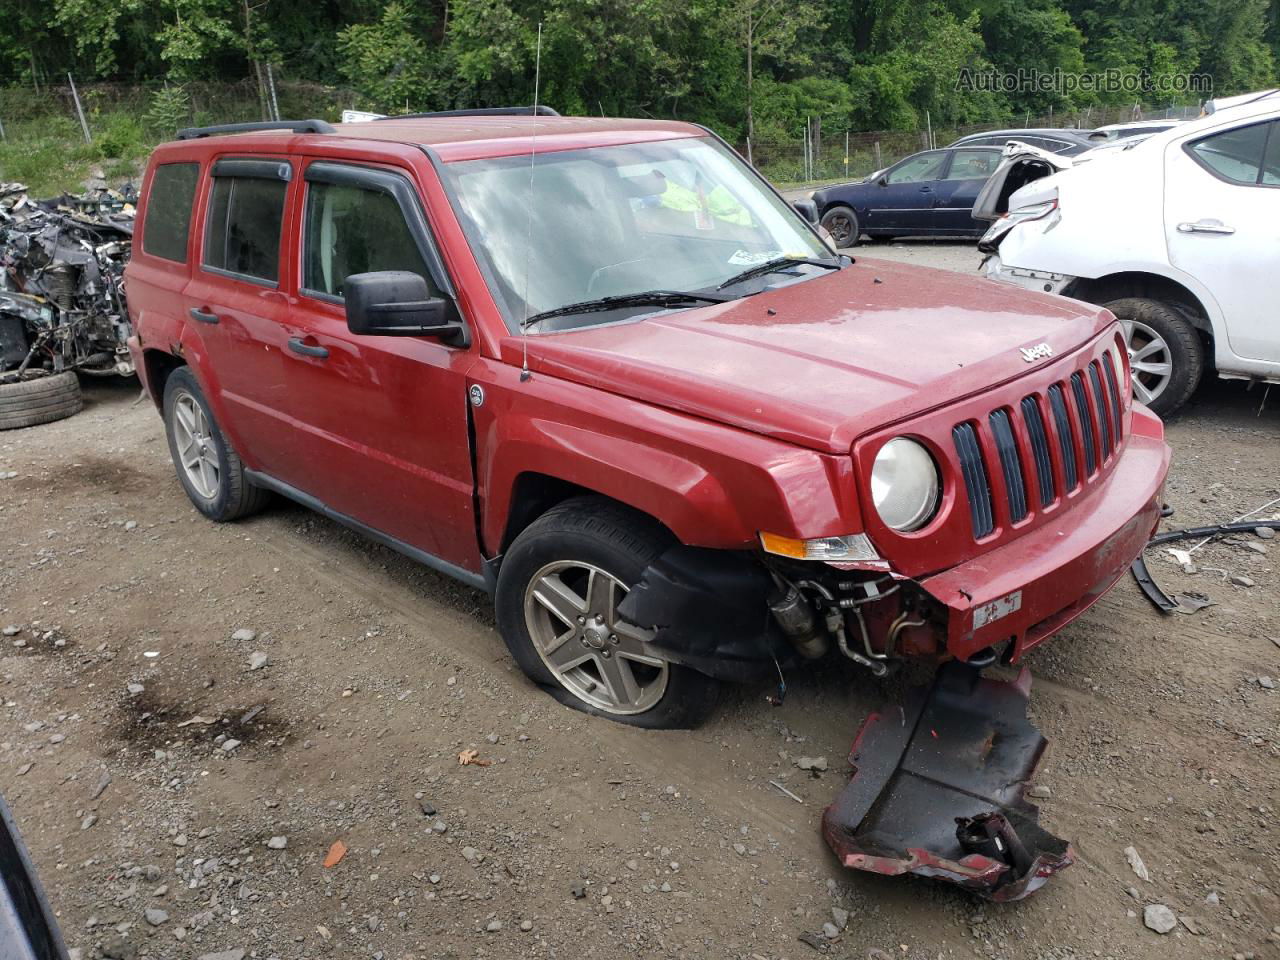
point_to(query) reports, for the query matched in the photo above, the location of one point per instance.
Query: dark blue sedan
(929, 194)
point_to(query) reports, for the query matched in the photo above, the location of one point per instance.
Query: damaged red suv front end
(1053, 485)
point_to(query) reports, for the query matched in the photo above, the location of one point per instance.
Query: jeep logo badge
(1038, 352)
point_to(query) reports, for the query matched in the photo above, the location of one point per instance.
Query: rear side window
(1271, 160)
(350, 229)
(973, 164)
(1236, 155)
(242, 235)
(173, 190)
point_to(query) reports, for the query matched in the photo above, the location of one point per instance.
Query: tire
(1162, 339)
(26, 403)
(585, 541)
(217, 487)
(842, 223)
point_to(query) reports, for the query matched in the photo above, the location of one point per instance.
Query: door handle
(1206, 226)
(926, 189)
(306, 349)
(202, 316)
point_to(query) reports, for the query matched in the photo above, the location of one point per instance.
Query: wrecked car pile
(61, 283)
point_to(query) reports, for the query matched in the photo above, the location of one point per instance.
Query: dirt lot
(129, 665)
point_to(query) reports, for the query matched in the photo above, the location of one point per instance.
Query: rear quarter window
(1236, 155)
(169, 205)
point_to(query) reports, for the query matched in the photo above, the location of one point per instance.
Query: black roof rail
(295, 126)
(541, 110)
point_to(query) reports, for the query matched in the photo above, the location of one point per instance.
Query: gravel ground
(195, 715)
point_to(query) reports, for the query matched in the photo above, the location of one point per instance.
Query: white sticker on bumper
(996, 609)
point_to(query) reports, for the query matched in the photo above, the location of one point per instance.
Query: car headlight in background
(904, 484)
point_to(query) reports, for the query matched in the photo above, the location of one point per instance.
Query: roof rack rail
(541, 110)
(296, 126)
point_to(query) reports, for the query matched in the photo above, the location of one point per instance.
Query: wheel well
(536, 493)
(1149, 285)
(159, 365)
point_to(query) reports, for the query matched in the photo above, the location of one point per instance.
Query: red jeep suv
(602, 370)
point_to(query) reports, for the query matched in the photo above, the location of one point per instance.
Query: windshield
(676, 215)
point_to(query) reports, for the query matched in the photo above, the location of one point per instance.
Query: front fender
(711, 485)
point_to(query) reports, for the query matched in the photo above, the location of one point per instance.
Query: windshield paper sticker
(745, 258)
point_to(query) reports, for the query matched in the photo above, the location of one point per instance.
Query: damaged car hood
(821, 361)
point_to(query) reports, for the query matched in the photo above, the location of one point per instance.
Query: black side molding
(294, 126)
(475, 580)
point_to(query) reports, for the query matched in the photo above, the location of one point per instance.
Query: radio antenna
(528, 240)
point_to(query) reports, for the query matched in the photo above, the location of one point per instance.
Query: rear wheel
(208, 469)
(842, 223)
(1166, 356)
(40, 399)
(557, 603)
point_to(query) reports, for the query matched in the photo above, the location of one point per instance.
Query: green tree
(386, 61)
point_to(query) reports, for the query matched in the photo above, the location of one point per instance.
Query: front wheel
(842, 223)
(1166, 357)
(557, 604)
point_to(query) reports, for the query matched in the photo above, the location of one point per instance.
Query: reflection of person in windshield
(718, 203)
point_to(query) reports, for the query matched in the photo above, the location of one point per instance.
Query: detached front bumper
(1033, 586)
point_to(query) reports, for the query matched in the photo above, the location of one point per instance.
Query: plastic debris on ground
(939, 789)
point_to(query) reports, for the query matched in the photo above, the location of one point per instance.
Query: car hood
(822, 361)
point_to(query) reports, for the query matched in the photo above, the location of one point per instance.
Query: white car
(1177, 234)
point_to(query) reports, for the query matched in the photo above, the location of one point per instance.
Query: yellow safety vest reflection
(720, 203)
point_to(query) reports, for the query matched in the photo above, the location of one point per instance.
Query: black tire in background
(842, 223)
(600, 533)
(1146, 321)
(233, 495)
(26, 403)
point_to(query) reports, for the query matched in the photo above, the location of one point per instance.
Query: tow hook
(939, 789)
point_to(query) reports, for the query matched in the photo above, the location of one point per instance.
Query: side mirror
(883, 181)
(396, 303)
(807, 209)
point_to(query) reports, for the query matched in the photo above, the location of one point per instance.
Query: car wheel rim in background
(1150, 361)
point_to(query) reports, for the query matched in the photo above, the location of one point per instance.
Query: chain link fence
(815, 155)
(851, 155)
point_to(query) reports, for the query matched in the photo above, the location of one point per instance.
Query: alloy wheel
(571, 610)
(197, 452)
(840, 226)
(1150, 360)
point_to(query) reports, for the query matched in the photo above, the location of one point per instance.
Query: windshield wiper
(649, 298)
(776, 264)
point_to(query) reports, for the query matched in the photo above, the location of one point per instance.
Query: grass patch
(50, 156)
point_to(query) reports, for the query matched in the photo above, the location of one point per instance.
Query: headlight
(904, 484)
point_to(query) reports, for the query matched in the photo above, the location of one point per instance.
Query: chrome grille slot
(1039, 448)
(1066, 443)
(1010, 464)
(1086, 424)
(976, 484)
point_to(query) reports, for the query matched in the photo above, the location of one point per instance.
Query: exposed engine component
(874, 620)
(795, 617)
(61, 283)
